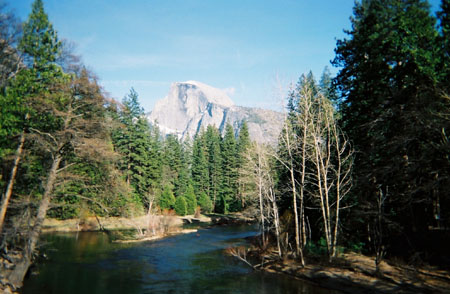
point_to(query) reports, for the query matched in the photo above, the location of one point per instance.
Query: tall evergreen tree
(388, 73)
(133, 141)
(326, 86)
(307, 80)
(184, 173)
(229, 167)
(243, 144)
(200, 174)
(140, 163)
(40, 42)
(172, 163)
(213, 141)
(155, 157)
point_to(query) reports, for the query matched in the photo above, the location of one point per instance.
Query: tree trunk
(302, 184)
(276, 220)
(18, 274)
(9, 188)
(294, 202)
(320, 188)
(338, 189)
(261, 208)
(297, 235)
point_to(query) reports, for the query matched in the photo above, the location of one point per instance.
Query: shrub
(205, 203)
(167, 200)
(180, 206)
(191, 200)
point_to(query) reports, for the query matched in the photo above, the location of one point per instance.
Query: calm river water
(191, 263)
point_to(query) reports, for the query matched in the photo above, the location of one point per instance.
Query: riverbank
(118, 223)
(95, 223)
(356, 273)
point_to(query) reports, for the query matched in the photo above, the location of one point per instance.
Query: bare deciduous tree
(258, 168)
(319, 159)
(332, 157)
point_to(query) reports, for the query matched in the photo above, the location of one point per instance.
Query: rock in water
(191, 106)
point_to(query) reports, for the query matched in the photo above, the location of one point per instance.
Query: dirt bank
(355, 273)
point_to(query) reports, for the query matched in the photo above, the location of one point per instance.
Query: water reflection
(192, 263)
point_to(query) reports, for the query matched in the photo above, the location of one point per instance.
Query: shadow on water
(192, 263)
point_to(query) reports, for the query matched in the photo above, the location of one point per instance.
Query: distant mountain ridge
(191, 106)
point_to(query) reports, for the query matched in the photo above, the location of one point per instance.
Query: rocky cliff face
(191, 106)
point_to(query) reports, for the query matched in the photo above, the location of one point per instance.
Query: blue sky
(247, 47)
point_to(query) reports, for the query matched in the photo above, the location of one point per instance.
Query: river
(89, 262)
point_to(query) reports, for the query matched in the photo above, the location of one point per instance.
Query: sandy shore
(112, 223)
(156, 237)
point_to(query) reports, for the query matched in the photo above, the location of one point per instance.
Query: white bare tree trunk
(261, 207)
(333, 163)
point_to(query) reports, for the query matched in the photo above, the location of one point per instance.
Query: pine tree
(40, 42)
(173, 163)
(123, 136)
(389, 70)
(140, 159)
(230, 174)
(139, 149)
(184, 173)
(200, 175)
(243, 144)
(213, 141)
(155, 158)
(326, 86)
